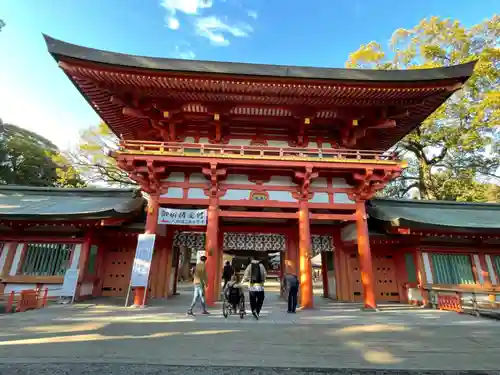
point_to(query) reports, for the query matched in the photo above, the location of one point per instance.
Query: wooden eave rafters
(272, 98)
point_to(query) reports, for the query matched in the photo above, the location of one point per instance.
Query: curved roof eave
(436, 213)
(60, 49)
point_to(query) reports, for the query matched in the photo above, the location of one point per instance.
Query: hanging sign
(142, 260)
(174, 216)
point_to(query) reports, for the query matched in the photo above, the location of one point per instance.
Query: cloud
(184, 52)
(252, 14)
(215, 30)
(189, 7)
(173, 23)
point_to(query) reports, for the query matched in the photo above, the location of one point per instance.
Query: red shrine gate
(287, 144)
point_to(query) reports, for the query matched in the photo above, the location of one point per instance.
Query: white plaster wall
(319, 198)
(312, 145)
(17, 259)
(326, 145)
(414, 294)
(86, 289)
(173, 192)
(5, 252)
(278, 144)
(18, 287)
(189, 140)
(349, 232)
(196, 193)
(54, 289)
(279, 181)
(197, 178)
(340, 183)
(236, 195)
(491, 270)
(342, 198)
(427, 267)
(237, 179)
(175, 177)
(479, 269)
(239, 142)
(204, 140)
(281, 196)
(320, 182)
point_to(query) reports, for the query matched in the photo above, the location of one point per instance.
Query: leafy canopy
(91, 157)
(29, 159)
(455, 154)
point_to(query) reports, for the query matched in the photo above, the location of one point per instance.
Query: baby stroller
(234, 301)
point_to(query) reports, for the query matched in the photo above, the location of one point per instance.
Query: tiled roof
(21, 202)
(436, 213)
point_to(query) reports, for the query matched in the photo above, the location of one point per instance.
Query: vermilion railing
(24, 300)
(255, 152)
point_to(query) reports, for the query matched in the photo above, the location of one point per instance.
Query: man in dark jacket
(227, 273)
(291, 285)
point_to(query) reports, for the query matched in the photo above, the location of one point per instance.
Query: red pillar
(150, 228)
(365, 257)
(212, 249)
(305, 268)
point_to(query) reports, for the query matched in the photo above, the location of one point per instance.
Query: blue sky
(35, 94)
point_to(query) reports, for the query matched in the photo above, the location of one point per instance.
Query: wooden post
(324, 275)
(305, 268)
(365, 257)
(140, 293)
(212, 246)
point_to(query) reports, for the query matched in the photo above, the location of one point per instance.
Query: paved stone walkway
(335, 335)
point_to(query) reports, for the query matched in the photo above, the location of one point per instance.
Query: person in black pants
(291, 286)
(256, 274)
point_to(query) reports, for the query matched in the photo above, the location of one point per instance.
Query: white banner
(70, 282)
(174, 216)
(142, 260)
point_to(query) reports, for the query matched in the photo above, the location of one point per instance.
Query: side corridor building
(283, 159)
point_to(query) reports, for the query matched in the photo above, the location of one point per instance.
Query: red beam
(332, 217)
(259, 215)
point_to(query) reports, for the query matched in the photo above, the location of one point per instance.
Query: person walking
(291, 285)
(227, 273)
(256, 274)
(200, 283)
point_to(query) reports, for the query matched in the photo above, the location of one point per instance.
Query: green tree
(91, 157)
(2, 24)
(454, 155)
(29, 159)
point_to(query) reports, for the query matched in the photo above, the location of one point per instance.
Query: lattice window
(321, 243)
(452, 269)
(46, 259)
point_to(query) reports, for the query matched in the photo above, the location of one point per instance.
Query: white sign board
(199, 254)
(70, 282)
(142, 260)
(174, 216)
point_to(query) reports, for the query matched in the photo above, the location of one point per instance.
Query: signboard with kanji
(142, 260)
(173, 216)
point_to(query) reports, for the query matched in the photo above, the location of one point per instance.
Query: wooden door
(384, 274)
(117, 268)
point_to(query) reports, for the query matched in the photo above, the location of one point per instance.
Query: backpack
(256, 275)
